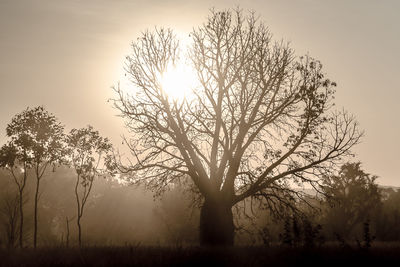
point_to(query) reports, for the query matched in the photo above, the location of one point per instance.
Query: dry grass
(379, 255)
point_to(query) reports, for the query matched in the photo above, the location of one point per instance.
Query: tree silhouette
(388, 217)
(38, 135)
(353, 195)
(16, 159)
(9, 210)
(257, 123)
(89, 153)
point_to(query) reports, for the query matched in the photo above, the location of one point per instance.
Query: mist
(208, 139)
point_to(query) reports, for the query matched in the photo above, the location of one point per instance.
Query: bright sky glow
(178, 81)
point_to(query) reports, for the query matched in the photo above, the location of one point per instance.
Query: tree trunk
(21, 219)
(67, 237)
(216, 224)
(35, 226)
(79, 231)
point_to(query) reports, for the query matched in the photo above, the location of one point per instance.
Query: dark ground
(194, 256)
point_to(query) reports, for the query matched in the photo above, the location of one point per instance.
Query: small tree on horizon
(89, 154)
(257, 123)
(354, 198)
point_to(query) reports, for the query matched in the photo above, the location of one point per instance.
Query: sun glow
(178, 82)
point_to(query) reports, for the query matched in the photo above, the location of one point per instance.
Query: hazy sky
(66, 55)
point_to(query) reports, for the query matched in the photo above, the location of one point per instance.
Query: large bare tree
(259, 122)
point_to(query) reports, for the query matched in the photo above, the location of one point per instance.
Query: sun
(178, 82)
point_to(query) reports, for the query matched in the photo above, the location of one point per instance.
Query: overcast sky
(66, 55)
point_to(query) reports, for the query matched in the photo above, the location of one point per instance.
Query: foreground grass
(194, 256)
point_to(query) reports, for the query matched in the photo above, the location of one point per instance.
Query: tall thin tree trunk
(21, 219)
(35, 227)
(11, 243)
(79, 231)
(67, 237)
(78, 204)
(21, 187)
(11, 211)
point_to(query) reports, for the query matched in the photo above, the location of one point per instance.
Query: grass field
(382, 255)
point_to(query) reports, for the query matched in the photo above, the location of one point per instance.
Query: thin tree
(40, 136)
(89, 154)
(258, 123)
(15, 159)
(9, 210)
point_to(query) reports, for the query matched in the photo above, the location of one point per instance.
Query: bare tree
(39, 136)
(89, 154)
(258, 123)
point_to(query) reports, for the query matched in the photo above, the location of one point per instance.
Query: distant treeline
(119, 215)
